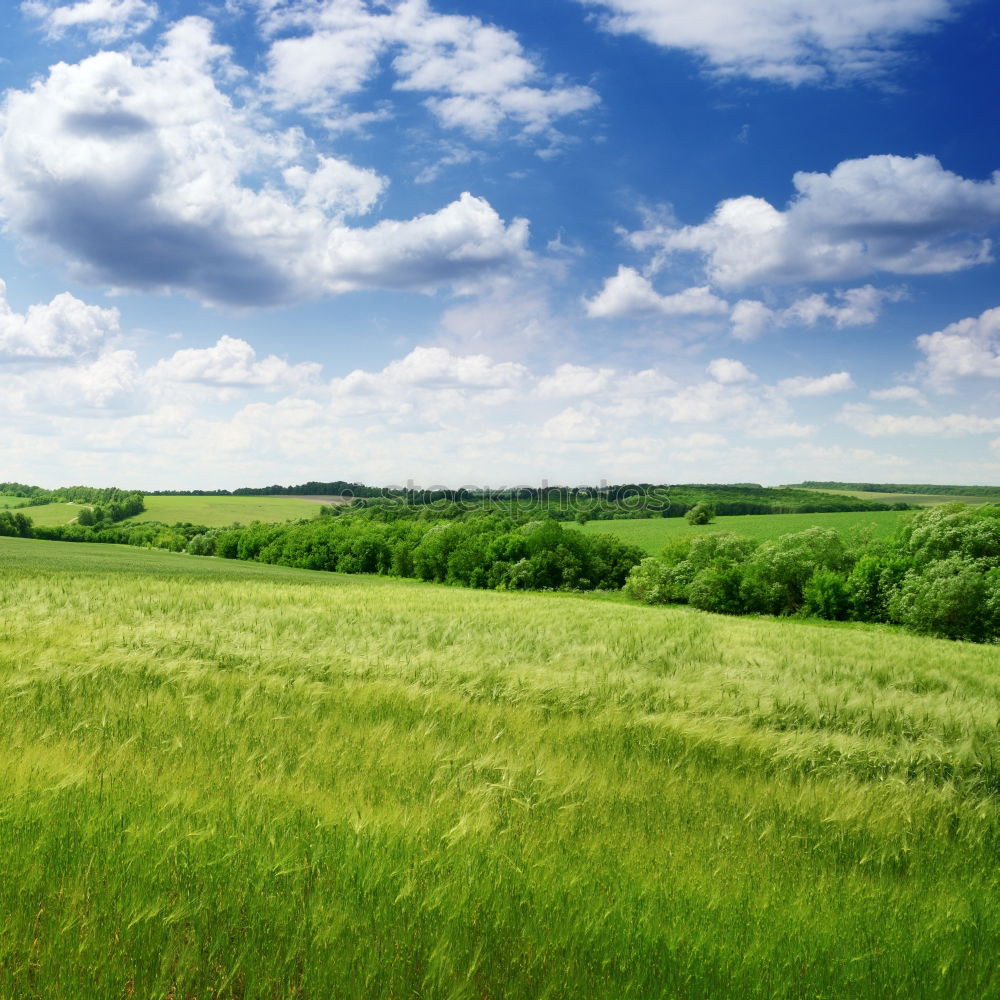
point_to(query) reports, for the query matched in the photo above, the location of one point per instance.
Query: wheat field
(228, 780)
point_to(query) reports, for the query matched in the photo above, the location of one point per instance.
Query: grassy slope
(654, 533)
(231, 780)
(53, 513)
(218, 512)
(925, 499)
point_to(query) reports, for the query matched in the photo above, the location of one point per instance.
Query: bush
(717, 588)
(871, 585)
(701, 513)
(651, 583)
(952, 598)
(826, 595)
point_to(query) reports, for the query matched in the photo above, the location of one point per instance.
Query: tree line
(939, 576)
(917, 488)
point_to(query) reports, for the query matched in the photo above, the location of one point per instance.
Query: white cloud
(477, 77)
(103, 20)
(434, 368)
(750, 318)
(628, 293)
(728, 372)
(899, 394)
(575, 380)
(111, 381)
(146, 176)
(802, 385)
(852, 307)
(864, 419)
(65, 328)
(970, 347)
(902, 215)
(233, 362)
(787, 41)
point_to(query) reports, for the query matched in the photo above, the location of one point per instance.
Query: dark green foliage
(653, 583)
(826, 595)
(717, 588)
(15, 524)
(940, 576)
(952, 598)
(701, 513)
(871, 584)
(115, 504)
(969, 491)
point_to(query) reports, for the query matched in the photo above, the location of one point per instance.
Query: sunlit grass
(652, 534)
(218, 512)
(922, 499)
(224, 779)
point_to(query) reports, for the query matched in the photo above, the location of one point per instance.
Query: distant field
(217, 512)
(7, 502)
(53, 513)
(928, 499)
(223, 779)
(653, 534)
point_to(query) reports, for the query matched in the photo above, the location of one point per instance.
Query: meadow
(218, 512)
(918, 499)
(232, 780)
(653, 533)
(51, 514)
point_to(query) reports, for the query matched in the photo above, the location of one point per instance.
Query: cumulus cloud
(970, 347)
(65, 328)
(477, 77)
(109, 382)
(787, 41)
(146, 176)
(628, 293)
(895, 214)
(233, 362)
(575, 380)
(434, 368)
(866, 420)
(851, 307)
(802, 385)
(728, 372)
(899, 394)
(103, 20)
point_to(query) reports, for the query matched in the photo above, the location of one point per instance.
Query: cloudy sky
(490, 242)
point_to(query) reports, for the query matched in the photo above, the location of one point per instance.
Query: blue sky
(498, 242)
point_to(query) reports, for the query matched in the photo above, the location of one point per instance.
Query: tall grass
(231, 780)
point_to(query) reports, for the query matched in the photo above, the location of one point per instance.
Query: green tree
(701, 513)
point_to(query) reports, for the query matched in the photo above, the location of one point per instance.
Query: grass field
(7, 502)
(925, 499)
(53, 513)
(230, 780)
(218, 512)
(654, 533)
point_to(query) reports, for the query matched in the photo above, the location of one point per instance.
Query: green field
(50, 514)
(653, 533)
(8, 502)
(922, 499)
(218, 512)
(230, 780)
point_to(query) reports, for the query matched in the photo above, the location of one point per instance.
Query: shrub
(871, 585)
(826, 595)
(701, 513)
(951, 598)
(651, 583)
(717, 588)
